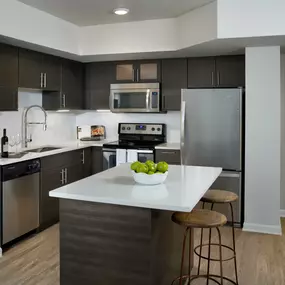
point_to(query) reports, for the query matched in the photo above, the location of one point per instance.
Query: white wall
(61, 127)
(22, 22)
(282, 194)
(133, 37)
(263, 140)
(111, 120)
(250, 18)
(197, 26)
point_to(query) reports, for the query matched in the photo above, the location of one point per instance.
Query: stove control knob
(153, 129)
(158, 129)
(128, 128)
(123, 128)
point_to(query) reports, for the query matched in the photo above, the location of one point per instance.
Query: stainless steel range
(137, 141)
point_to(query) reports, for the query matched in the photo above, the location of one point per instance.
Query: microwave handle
(147, 99)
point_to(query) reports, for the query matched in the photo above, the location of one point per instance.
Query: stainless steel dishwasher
(20, 199)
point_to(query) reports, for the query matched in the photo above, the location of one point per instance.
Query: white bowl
(153, 179)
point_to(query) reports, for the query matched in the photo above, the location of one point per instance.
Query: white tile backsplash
(111, 120)
(61, 127)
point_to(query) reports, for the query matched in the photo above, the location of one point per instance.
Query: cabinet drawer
(171, 156)
(62, 159)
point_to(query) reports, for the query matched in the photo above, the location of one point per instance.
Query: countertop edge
(118, 202)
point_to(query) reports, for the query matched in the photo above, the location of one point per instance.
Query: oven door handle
(109, 150)
(144, 151)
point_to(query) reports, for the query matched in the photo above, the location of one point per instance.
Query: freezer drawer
(230, 181)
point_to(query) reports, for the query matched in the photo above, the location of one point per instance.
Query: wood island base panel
(112, 244)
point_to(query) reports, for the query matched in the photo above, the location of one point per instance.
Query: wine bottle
(4, 145)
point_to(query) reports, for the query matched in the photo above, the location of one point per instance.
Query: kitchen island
(113, 231)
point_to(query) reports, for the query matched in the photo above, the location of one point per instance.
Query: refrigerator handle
(182, 128)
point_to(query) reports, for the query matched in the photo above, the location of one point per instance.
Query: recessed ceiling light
(121, 11)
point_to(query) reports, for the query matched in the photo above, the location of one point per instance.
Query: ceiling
(96, 12)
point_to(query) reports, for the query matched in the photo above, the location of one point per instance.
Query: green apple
(150, 172)
(152, 167)
(134, 165)
(142, 168)
(162, 166)
(149, 162)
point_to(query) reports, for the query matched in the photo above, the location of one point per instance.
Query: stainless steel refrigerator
(212, 135)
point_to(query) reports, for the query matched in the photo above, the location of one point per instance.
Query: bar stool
(204, 219)
(220, 197)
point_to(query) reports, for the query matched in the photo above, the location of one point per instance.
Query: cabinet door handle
(42, 79)
(169, 152)
(218, 78)
(45, 80)
(138, 75)
(63, 100)
(62, 176)
(83, 157)
(65, 171)
(212, 78)
(134, 75)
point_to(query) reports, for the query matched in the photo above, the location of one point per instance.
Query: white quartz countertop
(182, 190)
(168, 145)
(63, 147)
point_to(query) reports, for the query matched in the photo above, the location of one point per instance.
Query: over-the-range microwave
(135, 98)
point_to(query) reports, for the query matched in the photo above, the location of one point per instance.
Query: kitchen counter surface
(64, 147)
(183, 189)
(168, 145)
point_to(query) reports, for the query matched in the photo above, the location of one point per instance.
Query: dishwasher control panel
(20, 169)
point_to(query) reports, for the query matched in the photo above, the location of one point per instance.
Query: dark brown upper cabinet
(8, 66)
(51, 67)
(173, 79)
(39, 71)
(215, 72)
(72, 84)
(230, 71)
(98, 77)
(201, 72)
(8, 78)
(70, 95)
(138, 71)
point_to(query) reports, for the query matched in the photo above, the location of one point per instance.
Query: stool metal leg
(182, 258)
(221, 257)
(234, 242)
(190, 254)
(201, 241)
(209, 256)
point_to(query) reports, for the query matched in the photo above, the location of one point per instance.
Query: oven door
(109, 158)
(134, 100)
(144, 155)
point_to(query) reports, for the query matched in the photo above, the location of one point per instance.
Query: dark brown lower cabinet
(49, 206)
(62, 169)
(87, 162)
(97, 160)
(74, 173)
(171, 156)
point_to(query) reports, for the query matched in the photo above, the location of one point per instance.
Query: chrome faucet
(26, 140)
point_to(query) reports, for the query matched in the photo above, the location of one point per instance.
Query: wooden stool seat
(219, 196)
(200, 218)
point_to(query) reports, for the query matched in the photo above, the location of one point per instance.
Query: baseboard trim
(282, 213)
(265, 229)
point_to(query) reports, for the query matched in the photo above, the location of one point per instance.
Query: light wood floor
(35, 261)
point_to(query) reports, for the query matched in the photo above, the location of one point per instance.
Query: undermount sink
(43, 149)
